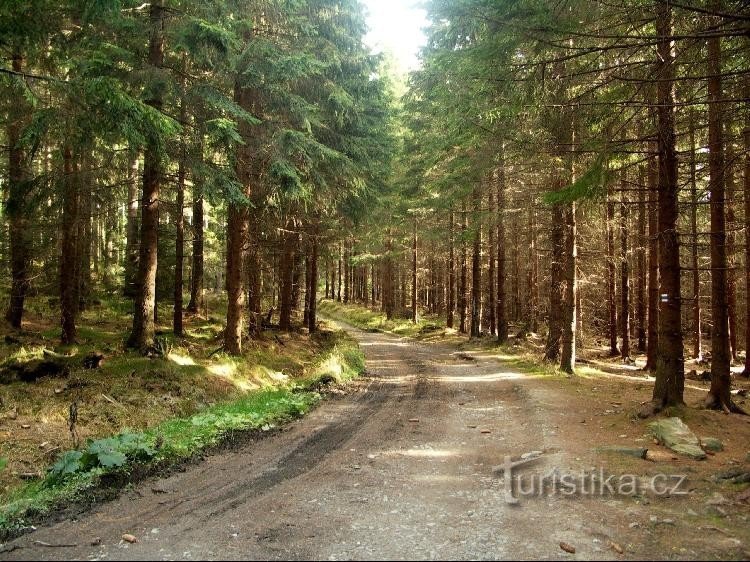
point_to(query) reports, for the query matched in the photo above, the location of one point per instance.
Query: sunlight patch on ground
(494, 377)
(183, 360)
(422, 453)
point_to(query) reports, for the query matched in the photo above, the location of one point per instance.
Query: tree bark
(312, 313)
(414, 287)
(291, 241)
(491, 255)
(500, 305)
(611, 277)
(142, 335)
(641, 264)
(196, 277)
(177, 326)
(696, 308)
(476, 266)
(462, 299)
(746, 179)
(69, 258)
(719, 394)
(670, 377)
(624, 272)
(131, 244)
(451, 272)
(16, 206)
(652, 345)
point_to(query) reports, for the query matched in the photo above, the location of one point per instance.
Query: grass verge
(131, 455)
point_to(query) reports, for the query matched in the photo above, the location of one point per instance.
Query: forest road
(402, 467)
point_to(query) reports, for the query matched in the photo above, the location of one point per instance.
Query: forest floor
(185, 397)
(408, 464)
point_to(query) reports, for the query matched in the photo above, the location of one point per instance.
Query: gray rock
(673, 433)
(637, 452)
(712, 444)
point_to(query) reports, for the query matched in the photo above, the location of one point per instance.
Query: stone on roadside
(637, 452)
(673, 433)
(712, 444)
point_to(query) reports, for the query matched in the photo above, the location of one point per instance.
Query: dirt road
(400, 468)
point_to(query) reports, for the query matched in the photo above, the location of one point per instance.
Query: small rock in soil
(712, 444)
(673, 433)
(569, 548)
(129, 538)
(637, 452)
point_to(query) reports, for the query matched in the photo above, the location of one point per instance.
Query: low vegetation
(63, 434)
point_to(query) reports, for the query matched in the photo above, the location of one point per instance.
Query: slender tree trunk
(533, 271)
(451, 273)
(84, 240)
(16, 206)
(131, 245)
(746, 179)
(500, 305)
(238, 224)
(652, 346)
(624, 272)
(69, 259)
(338, 295)
(142, 335)
(196, 278)
(557, 233)
(491, 255)
(670, 377)
(611, 277)
(697, 336)
(254, 282)
(568, 325)
(179, 247)
(730, 247)
(462, 300)
(312, 314)
(414, 287)
(389, 298)
(476, 266)
(719, 393)
(291, 241)
(641, 264)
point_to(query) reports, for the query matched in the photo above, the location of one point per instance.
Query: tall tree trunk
(697, 335)
(568, 325)
(17, 205)
(451, 272)
(69, 259)
(312, 313)
(641, 264)
(670, 376)
(476, 266)
(291, 241)
(347, 272)
(142, 335)
(719, 393)
(731, 247)
(652, 345)
(557, 234)
(132, 252)
(389, 298)
(533, 271)
(624, 271)
(338, 295)
(254, 281)
(462, 298)
(179, 247)
(491, 255)
(84, 239)
(414, 310)
(611, 277)
(238, 226)
(746, 179)
(196, 277)
(500, 305)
